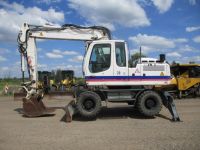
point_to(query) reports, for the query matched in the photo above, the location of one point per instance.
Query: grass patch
(10, 82)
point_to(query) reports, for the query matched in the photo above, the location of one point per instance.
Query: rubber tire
(96, 100)
(142, 108)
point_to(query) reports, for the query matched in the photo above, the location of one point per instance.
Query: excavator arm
(29, 33)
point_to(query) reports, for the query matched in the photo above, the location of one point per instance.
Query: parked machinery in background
(186, 79)
(44, 79)
(67, 79)
(59, 81)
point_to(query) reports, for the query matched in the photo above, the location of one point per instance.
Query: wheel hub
(89, 104)
(150, 103)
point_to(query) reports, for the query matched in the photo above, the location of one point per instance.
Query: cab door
(98, 64)
(121, 61)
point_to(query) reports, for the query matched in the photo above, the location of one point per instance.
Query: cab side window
(194, 72)
(120, 54)
(100, 59)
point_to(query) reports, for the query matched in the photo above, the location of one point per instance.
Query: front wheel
(89, 104)
(149, 103)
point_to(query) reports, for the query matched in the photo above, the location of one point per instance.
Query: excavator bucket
(19, 95)
(34, 107)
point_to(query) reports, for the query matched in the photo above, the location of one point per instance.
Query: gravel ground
(117, 127)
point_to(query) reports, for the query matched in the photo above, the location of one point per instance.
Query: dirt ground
(117, 127)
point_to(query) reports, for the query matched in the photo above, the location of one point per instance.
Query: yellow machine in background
(55, 81)
(44, 78)
(67, 79)
(186, 79)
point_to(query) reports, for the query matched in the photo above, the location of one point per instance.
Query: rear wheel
(89, 104)
(149, 103)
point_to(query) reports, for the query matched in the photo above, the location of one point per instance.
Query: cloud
(181, 40)
(78, 58)
(191, 29)
(156, 43)
(54, 55)
(5, 68)
(174, 54)
(152, 42)
(187, 59)
(126, 13)
(186, 48)
(145, 50)
(66, 52)
(4, 51)
(196, 39)
(47, 1)
(20, 14)
(11, 70)
(56, 51)
(42, 66)
(163, 5)
(192, 2)
(2, 58)
(70, 53)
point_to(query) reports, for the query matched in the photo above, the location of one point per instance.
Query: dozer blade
(34, 107)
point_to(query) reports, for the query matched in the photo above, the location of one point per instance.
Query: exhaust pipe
(162, 58)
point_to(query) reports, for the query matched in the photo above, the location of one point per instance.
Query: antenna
(140, 54)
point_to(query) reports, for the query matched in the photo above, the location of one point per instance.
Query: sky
(170, 27)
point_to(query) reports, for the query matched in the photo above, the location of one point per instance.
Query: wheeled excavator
(108, 75)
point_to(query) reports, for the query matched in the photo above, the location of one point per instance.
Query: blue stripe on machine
(127, 77)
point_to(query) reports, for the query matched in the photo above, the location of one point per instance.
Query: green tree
(192, 62)
(136, 56)
(174, 62)
(58, 76)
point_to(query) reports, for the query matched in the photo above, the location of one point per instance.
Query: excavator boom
(29, 33)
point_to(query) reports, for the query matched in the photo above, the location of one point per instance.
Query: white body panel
(147, 73)
(87, 34)
(32, 59)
